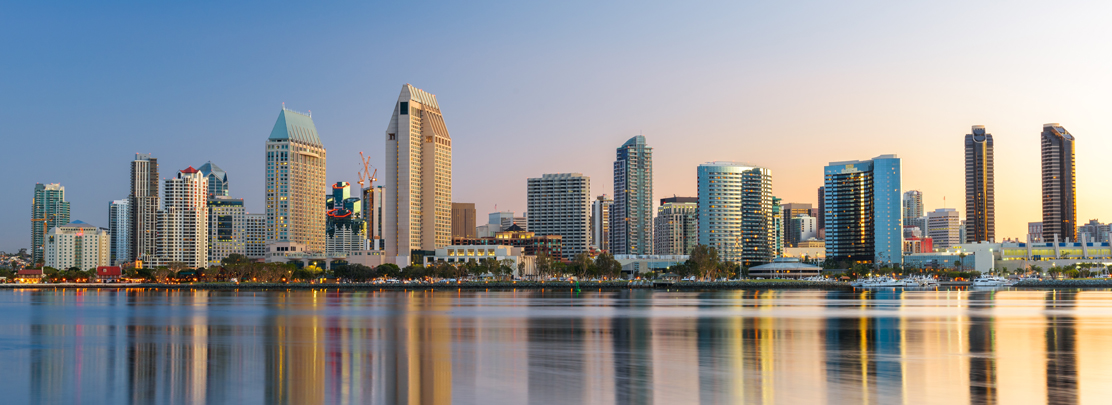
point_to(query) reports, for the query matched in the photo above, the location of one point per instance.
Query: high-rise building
(183, 221)
(501, 220)
(560, 204)
(631, 215)
(600, 222)
(227, 226)
(912, 205)
(1059, 189)
(863, 211)
(79, 245)
(418, 199)
(372, 214)
(345, 228)
(1035, 232)
(735, 212)
(980, 203)
(254, 236)
(677, 229)
(787, 212)
(143, 206)
(944, 227)
(49, 209)
(780, 230)
(118, 216)
(295, 186)
(217, 179)
(802, 228)
(463, 220)
(821, 217)
(1094, 231)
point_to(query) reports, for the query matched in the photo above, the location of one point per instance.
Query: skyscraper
(50, 208)
(912, 205)
(735, 212)
(227, 226)
(944, 227)
(779, 230)
(863, 211)
(254, 239)
(183, 220)
(345, 228)
(1059, 189)
(217, 179)
(417, 206)
(980, 203)
(631, 215)
(787, 212)
(295, 187)
(143, 205)
(821, 217)
(463, 220)
(560, 204)
(118, 216)
(600, 222)
(677, 229)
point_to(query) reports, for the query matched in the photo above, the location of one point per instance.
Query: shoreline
(498, 285)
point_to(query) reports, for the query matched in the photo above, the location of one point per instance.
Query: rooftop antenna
(283, 105)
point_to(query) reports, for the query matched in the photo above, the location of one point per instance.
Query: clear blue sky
(530, 88)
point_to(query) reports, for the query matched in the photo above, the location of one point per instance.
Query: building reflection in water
(552, 347)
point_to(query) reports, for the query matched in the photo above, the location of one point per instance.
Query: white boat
(883, 281)
(989, 281)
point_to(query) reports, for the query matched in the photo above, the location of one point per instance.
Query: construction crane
(366, 185)
(43, 246)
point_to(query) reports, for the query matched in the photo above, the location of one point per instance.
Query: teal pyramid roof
(295, 126)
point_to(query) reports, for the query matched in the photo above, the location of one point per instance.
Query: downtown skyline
(918, 113)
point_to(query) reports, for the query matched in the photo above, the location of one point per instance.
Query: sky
(527, 89)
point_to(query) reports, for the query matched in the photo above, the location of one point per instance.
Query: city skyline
(911, 108)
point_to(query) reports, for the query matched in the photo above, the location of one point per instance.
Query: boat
(989, 281)
(883, 281)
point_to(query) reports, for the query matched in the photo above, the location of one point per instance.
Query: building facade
(118, 215)
(735, 212)
(631, 215)
(49, 209)
(295, 185)
(1035, 232)
(77, 244)
(787, 212)
(980, 201)
(183, 221)
(217, 179)
(227, 225)
(677, 227)
(254, 236)
(560, 204)
(143, 206)
(803, 227)
(600, 222)
(418, 198)
(821, 215)
(912, 206)
(345, 229)
(864, 210)
(463, 220)
(530, 243)
(1094, 231)
(1059, 189)
(944, 227)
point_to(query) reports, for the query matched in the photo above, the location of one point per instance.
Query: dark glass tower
(631, 215)
(1059, 190)
(980, 208)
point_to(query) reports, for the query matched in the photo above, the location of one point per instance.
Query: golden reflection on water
(549, 347)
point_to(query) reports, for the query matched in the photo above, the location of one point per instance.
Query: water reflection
(546, 347)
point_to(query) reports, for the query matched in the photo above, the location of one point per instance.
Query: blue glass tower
(863, 210)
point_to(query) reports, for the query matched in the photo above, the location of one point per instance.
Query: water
(545, 347)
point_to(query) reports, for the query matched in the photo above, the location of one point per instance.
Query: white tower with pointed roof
(417, 202)
(295, 185)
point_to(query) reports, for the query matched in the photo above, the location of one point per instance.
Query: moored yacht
(989, 281)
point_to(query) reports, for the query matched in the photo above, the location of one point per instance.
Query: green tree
(704, 260)
(234, 259)
(581, 264)
(543, 264)
(506, 268)
(608, 266)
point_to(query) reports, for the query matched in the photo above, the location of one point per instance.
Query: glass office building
(863, 210)
(735, 212)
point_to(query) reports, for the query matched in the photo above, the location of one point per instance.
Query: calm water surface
(545, 347)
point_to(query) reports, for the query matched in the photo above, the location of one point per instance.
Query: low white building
(77, 244)
(459, 254)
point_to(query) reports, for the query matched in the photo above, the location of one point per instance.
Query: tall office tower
(863, 210)
(912, 205)
(50, 208)
(735, 212)
(821, 217)
(118, 228)
(560, 204)
(463, 220)
(375, 228)
(631, 215)
(1059, 189)
(980, 204)
(254, 236)
(801, 228)
(676, 227)
(778, 225)
(227, 227)
(143, 207)
(418, 200)
(345, 229)
(944, 227)
(183, 220)
(79, 245)
(600, 222)
(295, 187)
(787, 212)
(217, 178)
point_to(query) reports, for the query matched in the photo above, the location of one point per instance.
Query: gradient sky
(528, 89)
